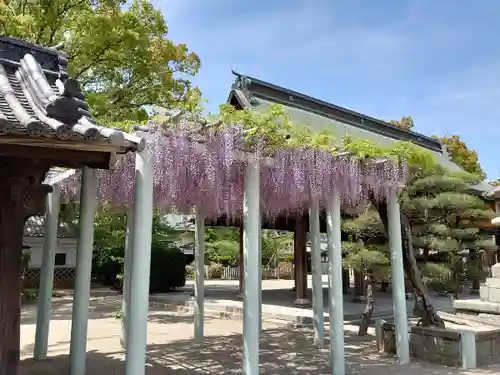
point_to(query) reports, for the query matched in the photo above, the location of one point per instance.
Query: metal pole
(47, 273)
(81, 297)
(398, 278)
(317, 282)
(336, 298)
(199, 260)
(135, 362)
(252, 262)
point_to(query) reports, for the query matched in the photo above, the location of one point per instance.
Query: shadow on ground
(104, 304)
(283, 352)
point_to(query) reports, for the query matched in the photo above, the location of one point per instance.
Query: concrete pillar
(336, 298)
(241, 265)
(252, 262)
(317, 282)
(127, 266)
(300, 244)
(81, 296)
(44, 308)
(135, 360)
(199, 287)
(398, 278)
(468, 349)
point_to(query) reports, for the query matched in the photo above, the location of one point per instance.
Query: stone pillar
(81, 296)
(317, 276)
(135, 360)
(398, 278)
(252, 263)
(336, 298)
(129, 240)
(300, 244)
(44, 309)
(241, 266)
(199, 287)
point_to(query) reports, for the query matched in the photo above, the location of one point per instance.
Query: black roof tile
(37, 99)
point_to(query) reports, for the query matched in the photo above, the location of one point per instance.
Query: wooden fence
(285, 271)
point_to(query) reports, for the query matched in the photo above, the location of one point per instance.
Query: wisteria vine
(210, 175)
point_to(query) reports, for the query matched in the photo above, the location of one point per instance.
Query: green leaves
(119, 53)
(275, 131)
(461, 155)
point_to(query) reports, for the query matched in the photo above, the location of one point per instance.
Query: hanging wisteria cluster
(210, 174)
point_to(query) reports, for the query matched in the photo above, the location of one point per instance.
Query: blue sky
(438, 61)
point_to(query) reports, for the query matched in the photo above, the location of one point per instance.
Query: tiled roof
(37, 99)
(252, 93)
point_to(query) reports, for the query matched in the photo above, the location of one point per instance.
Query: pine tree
(366, 252)
(445, 220)
(440, 221)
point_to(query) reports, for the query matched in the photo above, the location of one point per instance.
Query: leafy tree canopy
(405, 123)
(462, 155)
(118, 50)
(457, 149)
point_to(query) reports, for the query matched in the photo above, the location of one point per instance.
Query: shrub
(215, 270)
(190, 271)
(168, 269)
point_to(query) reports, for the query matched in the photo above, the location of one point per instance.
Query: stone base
(476, 306)
(445, 347)
(490, 290)
(302, 302)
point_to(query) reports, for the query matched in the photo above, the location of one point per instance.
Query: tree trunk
(370, 305)
(22, 196)
(429, 317)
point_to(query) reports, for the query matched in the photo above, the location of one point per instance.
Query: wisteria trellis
(210, 175)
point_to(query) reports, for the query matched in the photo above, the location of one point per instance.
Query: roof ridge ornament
(241, 83)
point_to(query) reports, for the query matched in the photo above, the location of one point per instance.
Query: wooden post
(294, 289)
(300, 244)
(346, 280)
(23, 195)
(359, 286)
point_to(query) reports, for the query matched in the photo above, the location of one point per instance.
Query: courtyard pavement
(172, 350)
(278, 300)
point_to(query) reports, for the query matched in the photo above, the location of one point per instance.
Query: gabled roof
(40, 105)
(250, 92)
